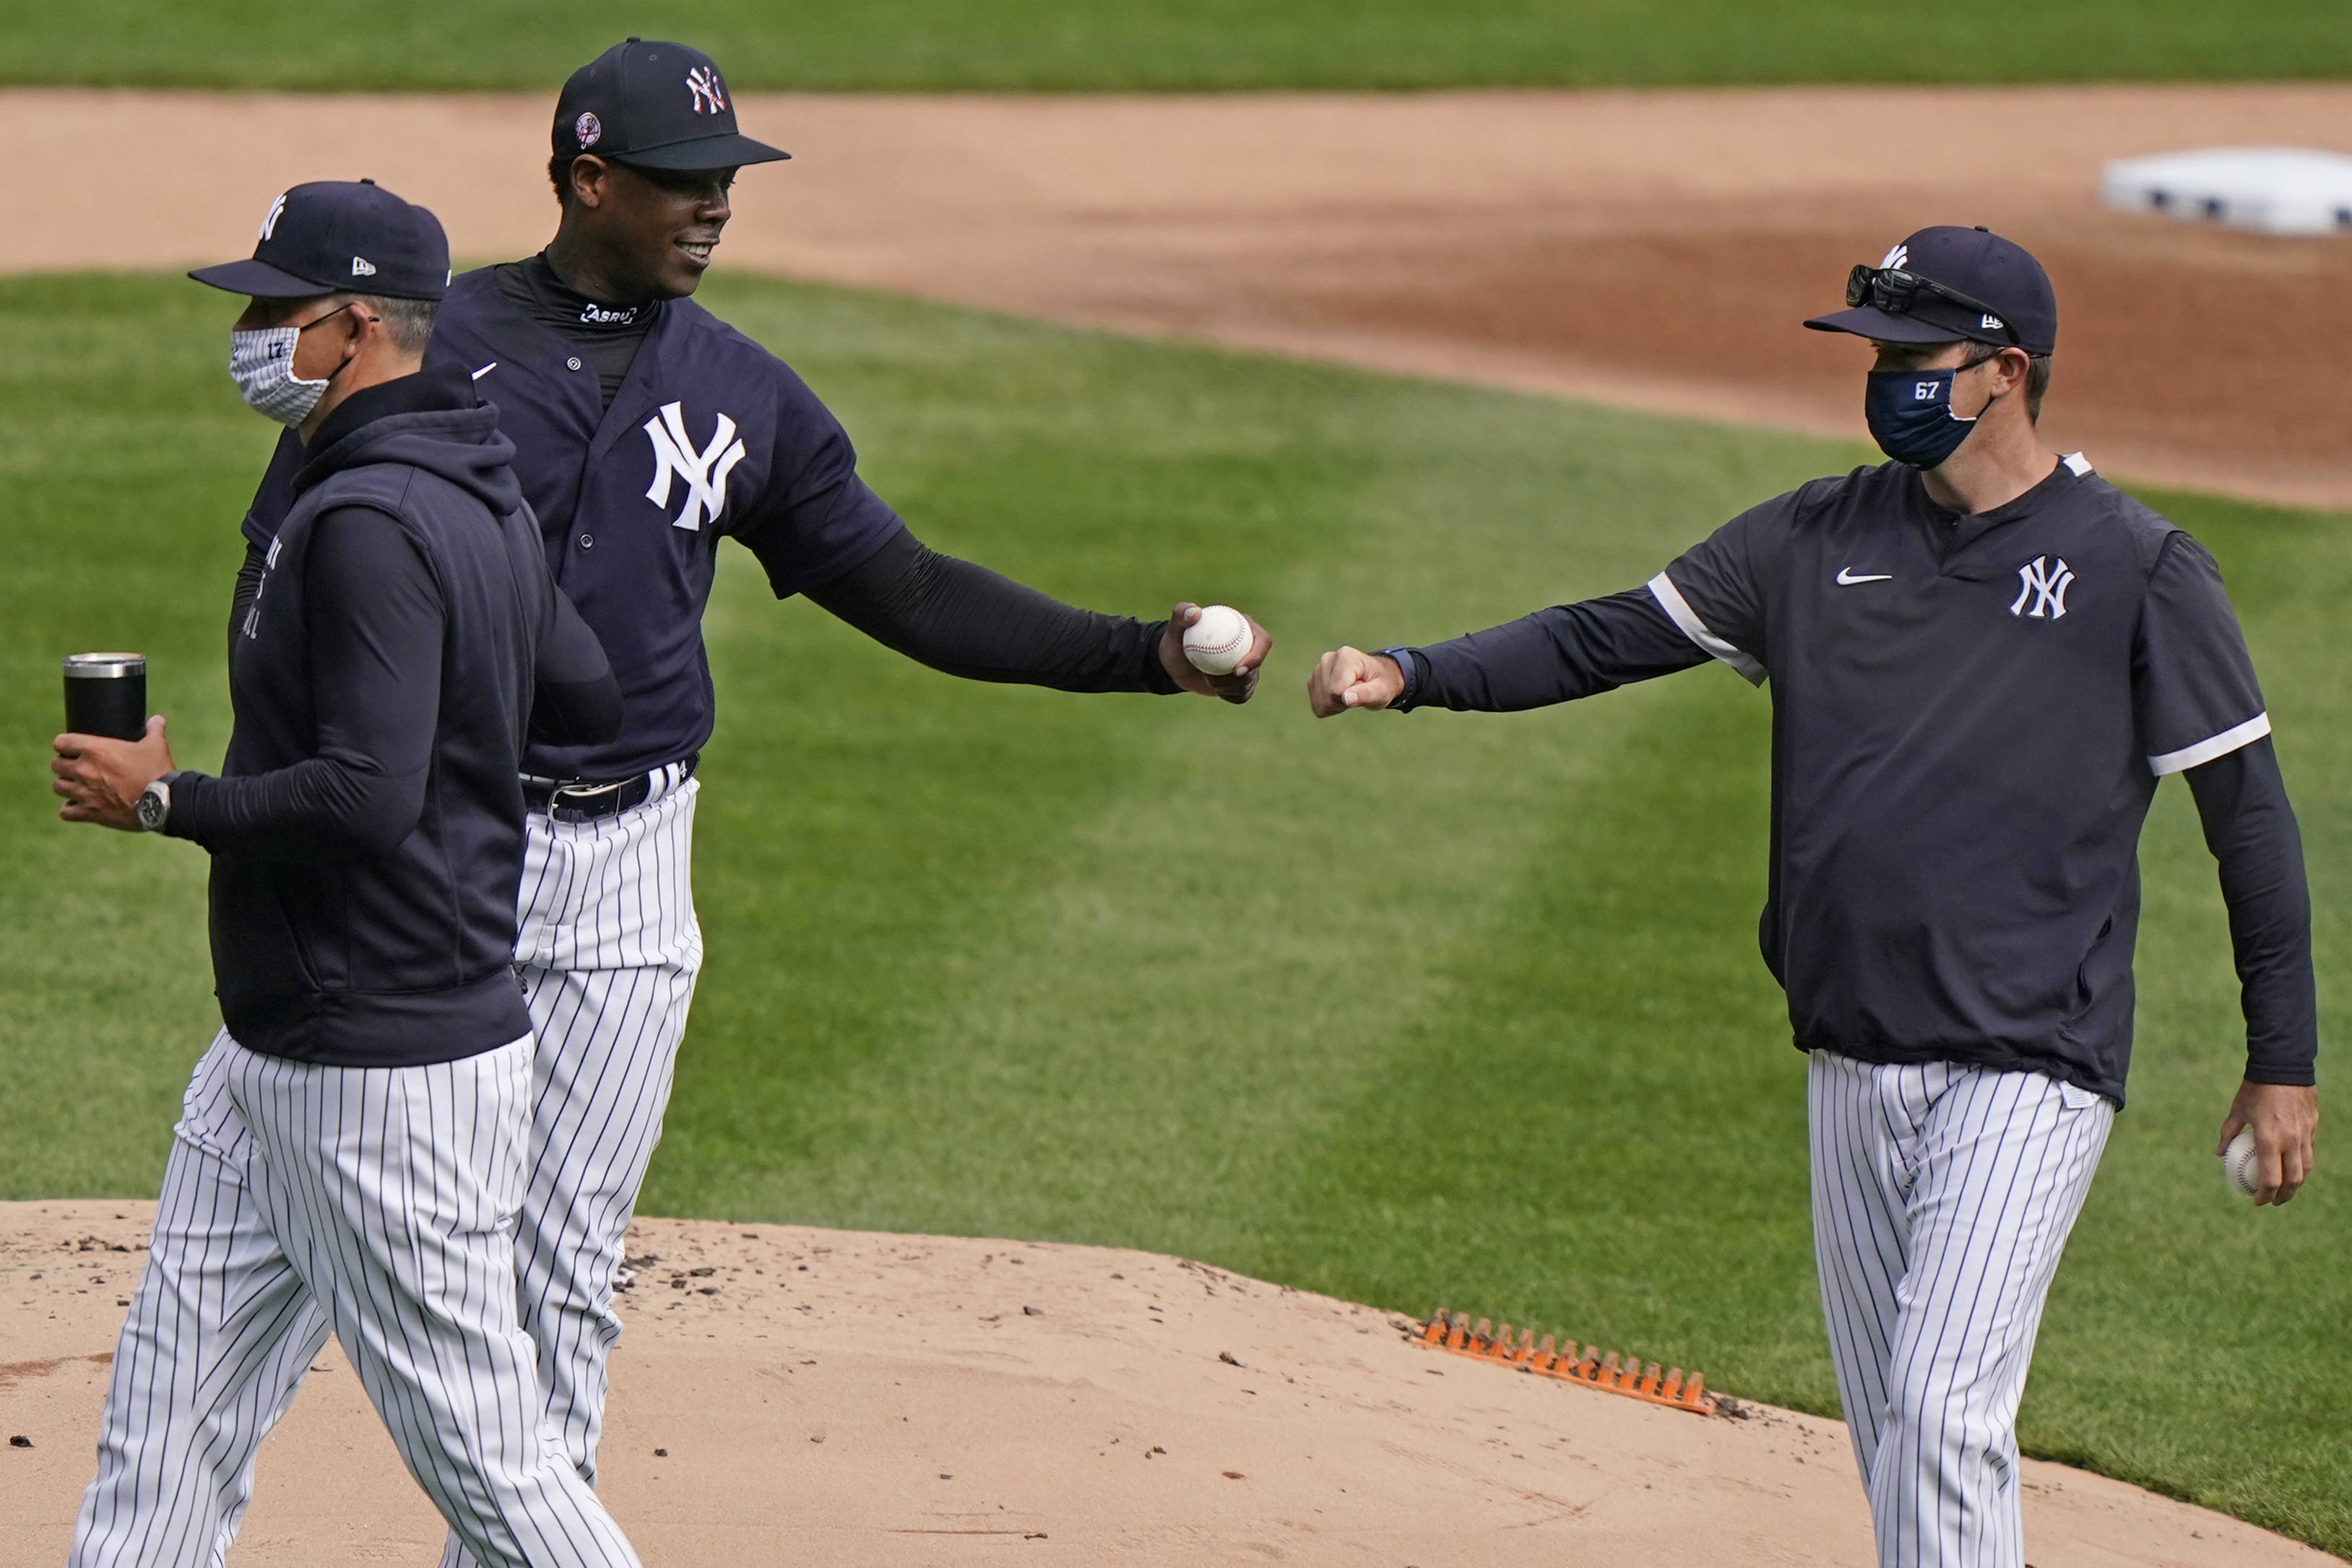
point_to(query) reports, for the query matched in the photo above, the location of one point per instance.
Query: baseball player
(1982, 659)
(645, 430)
(350, 1154)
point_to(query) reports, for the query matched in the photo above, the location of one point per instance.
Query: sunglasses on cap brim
(1898, 292)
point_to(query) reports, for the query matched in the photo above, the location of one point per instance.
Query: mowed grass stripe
(1410, 1009)
(1161, 46)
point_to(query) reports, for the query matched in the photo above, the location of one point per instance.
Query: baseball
(1219, 639)
(2238, 1163)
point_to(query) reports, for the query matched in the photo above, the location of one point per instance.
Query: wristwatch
(155, 806)
(1408, 670)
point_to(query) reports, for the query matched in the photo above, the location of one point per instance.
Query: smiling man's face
(654, 228)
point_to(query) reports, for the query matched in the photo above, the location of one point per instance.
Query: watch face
(151, 810)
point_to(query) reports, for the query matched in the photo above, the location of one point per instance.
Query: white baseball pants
(378, 1203)
(1942, 1198)
(608, 956)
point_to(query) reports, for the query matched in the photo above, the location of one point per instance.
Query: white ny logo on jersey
(2045, 587)
(705, 472)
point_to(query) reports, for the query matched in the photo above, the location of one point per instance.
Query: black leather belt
(585, 799)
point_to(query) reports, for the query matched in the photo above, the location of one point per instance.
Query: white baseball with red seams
(1219, 639)
(2241, 1165)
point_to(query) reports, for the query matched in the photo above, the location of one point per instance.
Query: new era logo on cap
(363, 267)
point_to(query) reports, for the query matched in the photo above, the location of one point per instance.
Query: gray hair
(409, 321)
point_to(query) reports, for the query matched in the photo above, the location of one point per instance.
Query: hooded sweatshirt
(367, 827)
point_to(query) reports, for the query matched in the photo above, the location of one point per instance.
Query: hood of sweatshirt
(431, 421)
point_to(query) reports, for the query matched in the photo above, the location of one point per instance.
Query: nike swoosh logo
(1846, 578)
(485, 370)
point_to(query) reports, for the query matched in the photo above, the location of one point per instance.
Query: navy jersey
(1969, 718)
(1971, 715)
(710, 435)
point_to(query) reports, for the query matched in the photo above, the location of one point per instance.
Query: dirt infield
(1649, 249)
(793, 1395)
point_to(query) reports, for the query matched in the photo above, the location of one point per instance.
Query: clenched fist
(1351, 678)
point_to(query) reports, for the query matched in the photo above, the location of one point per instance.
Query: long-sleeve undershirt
(2250, 828)
(1573, 650)
(375, 661)
(1554, 655)
(967, 621)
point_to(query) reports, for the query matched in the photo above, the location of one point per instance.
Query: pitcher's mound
(790, 1395)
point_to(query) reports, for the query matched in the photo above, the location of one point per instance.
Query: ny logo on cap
(709, 96)
(705, 472)
(1895, 257)
(270, 219)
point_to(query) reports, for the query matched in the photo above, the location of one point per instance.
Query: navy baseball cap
(334, 236)
(658, 106)
(1945, 283)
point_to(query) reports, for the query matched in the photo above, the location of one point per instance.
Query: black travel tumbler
(106, 694)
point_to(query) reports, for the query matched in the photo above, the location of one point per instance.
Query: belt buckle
(570, 798)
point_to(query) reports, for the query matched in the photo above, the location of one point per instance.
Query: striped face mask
(261, 362)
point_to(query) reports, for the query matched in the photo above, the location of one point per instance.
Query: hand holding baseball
(2283, 1118)
(1351, 678)
(101, 778)
(1190, 663)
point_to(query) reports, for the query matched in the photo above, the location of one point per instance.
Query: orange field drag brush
(1452, 1331)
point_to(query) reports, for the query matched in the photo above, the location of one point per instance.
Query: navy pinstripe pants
(1943, 1195)
(376, 1203)
(608, 954)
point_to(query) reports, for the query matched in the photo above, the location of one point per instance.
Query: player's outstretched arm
(1554, 655)
(965, 620)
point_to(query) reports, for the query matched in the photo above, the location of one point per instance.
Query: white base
(2269, 190)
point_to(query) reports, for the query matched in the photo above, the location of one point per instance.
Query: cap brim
(1869, 322)
(260, 280)
(704, 153)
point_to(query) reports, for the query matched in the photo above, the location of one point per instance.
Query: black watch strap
(1410, 668)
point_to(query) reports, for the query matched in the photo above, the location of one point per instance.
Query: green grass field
(1412, 1010)
(1176, 45)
